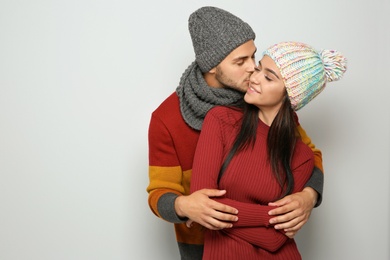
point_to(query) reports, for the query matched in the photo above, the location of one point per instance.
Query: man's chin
(241, 89)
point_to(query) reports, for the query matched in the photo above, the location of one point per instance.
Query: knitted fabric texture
(215, 33)
(306, 71)
(197, 98)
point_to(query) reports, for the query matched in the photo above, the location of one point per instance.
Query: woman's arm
(249, 214)
(267, 238)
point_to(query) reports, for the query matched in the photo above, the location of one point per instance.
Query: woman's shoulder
(302, 153)
(303, 148)
(225, 110)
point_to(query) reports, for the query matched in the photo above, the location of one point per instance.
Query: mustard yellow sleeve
(317, 153)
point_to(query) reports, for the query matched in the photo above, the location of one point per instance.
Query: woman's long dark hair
(280, 142)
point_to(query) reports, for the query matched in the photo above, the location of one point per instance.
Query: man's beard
(227, 82)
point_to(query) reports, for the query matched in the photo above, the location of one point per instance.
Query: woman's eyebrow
(270, 71)
(273, 72)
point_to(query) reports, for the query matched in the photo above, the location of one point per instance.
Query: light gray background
(80, 78)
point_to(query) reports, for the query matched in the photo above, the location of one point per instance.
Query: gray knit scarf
(197, 98)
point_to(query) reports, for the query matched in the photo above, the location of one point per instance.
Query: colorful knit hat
(306, 71)
(215, 33)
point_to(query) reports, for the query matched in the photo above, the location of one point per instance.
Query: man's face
(235, 70)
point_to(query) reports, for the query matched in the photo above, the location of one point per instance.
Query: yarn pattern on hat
(215, 33)
(305, 71)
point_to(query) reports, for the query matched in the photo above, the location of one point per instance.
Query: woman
(253, 151)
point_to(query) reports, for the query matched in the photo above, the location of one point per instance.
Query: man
(225, 51)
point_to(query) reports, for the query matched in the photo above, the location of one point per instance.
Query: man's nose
(251, 68)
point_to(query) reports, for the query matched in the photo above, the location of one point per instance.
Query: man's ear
(213, 70)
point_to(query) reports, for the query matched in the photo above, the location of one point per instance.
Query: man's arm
(293, 211)
(167, 192)
(165, 173)
(199, 208)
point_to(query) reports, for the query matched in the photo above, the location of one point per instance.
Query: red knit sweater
(172, 146)
(250, 186)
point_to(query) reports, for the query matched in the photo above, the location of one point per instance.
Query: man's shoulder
(170, 105)
(169, 114)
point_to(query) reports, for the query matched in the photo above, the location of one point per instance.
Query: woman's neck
(267, 115)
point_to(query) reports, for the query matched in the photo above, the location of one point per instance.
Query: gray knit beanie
(215, 33)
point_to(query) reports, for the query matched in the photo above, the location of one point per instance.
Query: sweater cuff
(166, 208)
(316, 182)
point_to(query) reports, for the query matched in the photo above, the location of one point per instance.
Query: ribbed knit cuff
(166, 208)
(316, 182)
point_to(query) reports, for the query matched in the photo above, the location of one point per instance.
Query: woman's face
(266, 87)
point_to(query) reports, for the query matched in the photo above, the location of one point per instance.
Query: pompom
(335, 64)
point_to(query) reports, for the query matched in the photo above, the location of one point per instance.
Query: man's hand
(198, 207)
(293, 211)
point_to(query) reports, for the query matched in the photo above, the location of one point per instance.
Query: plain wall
(79, 80)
